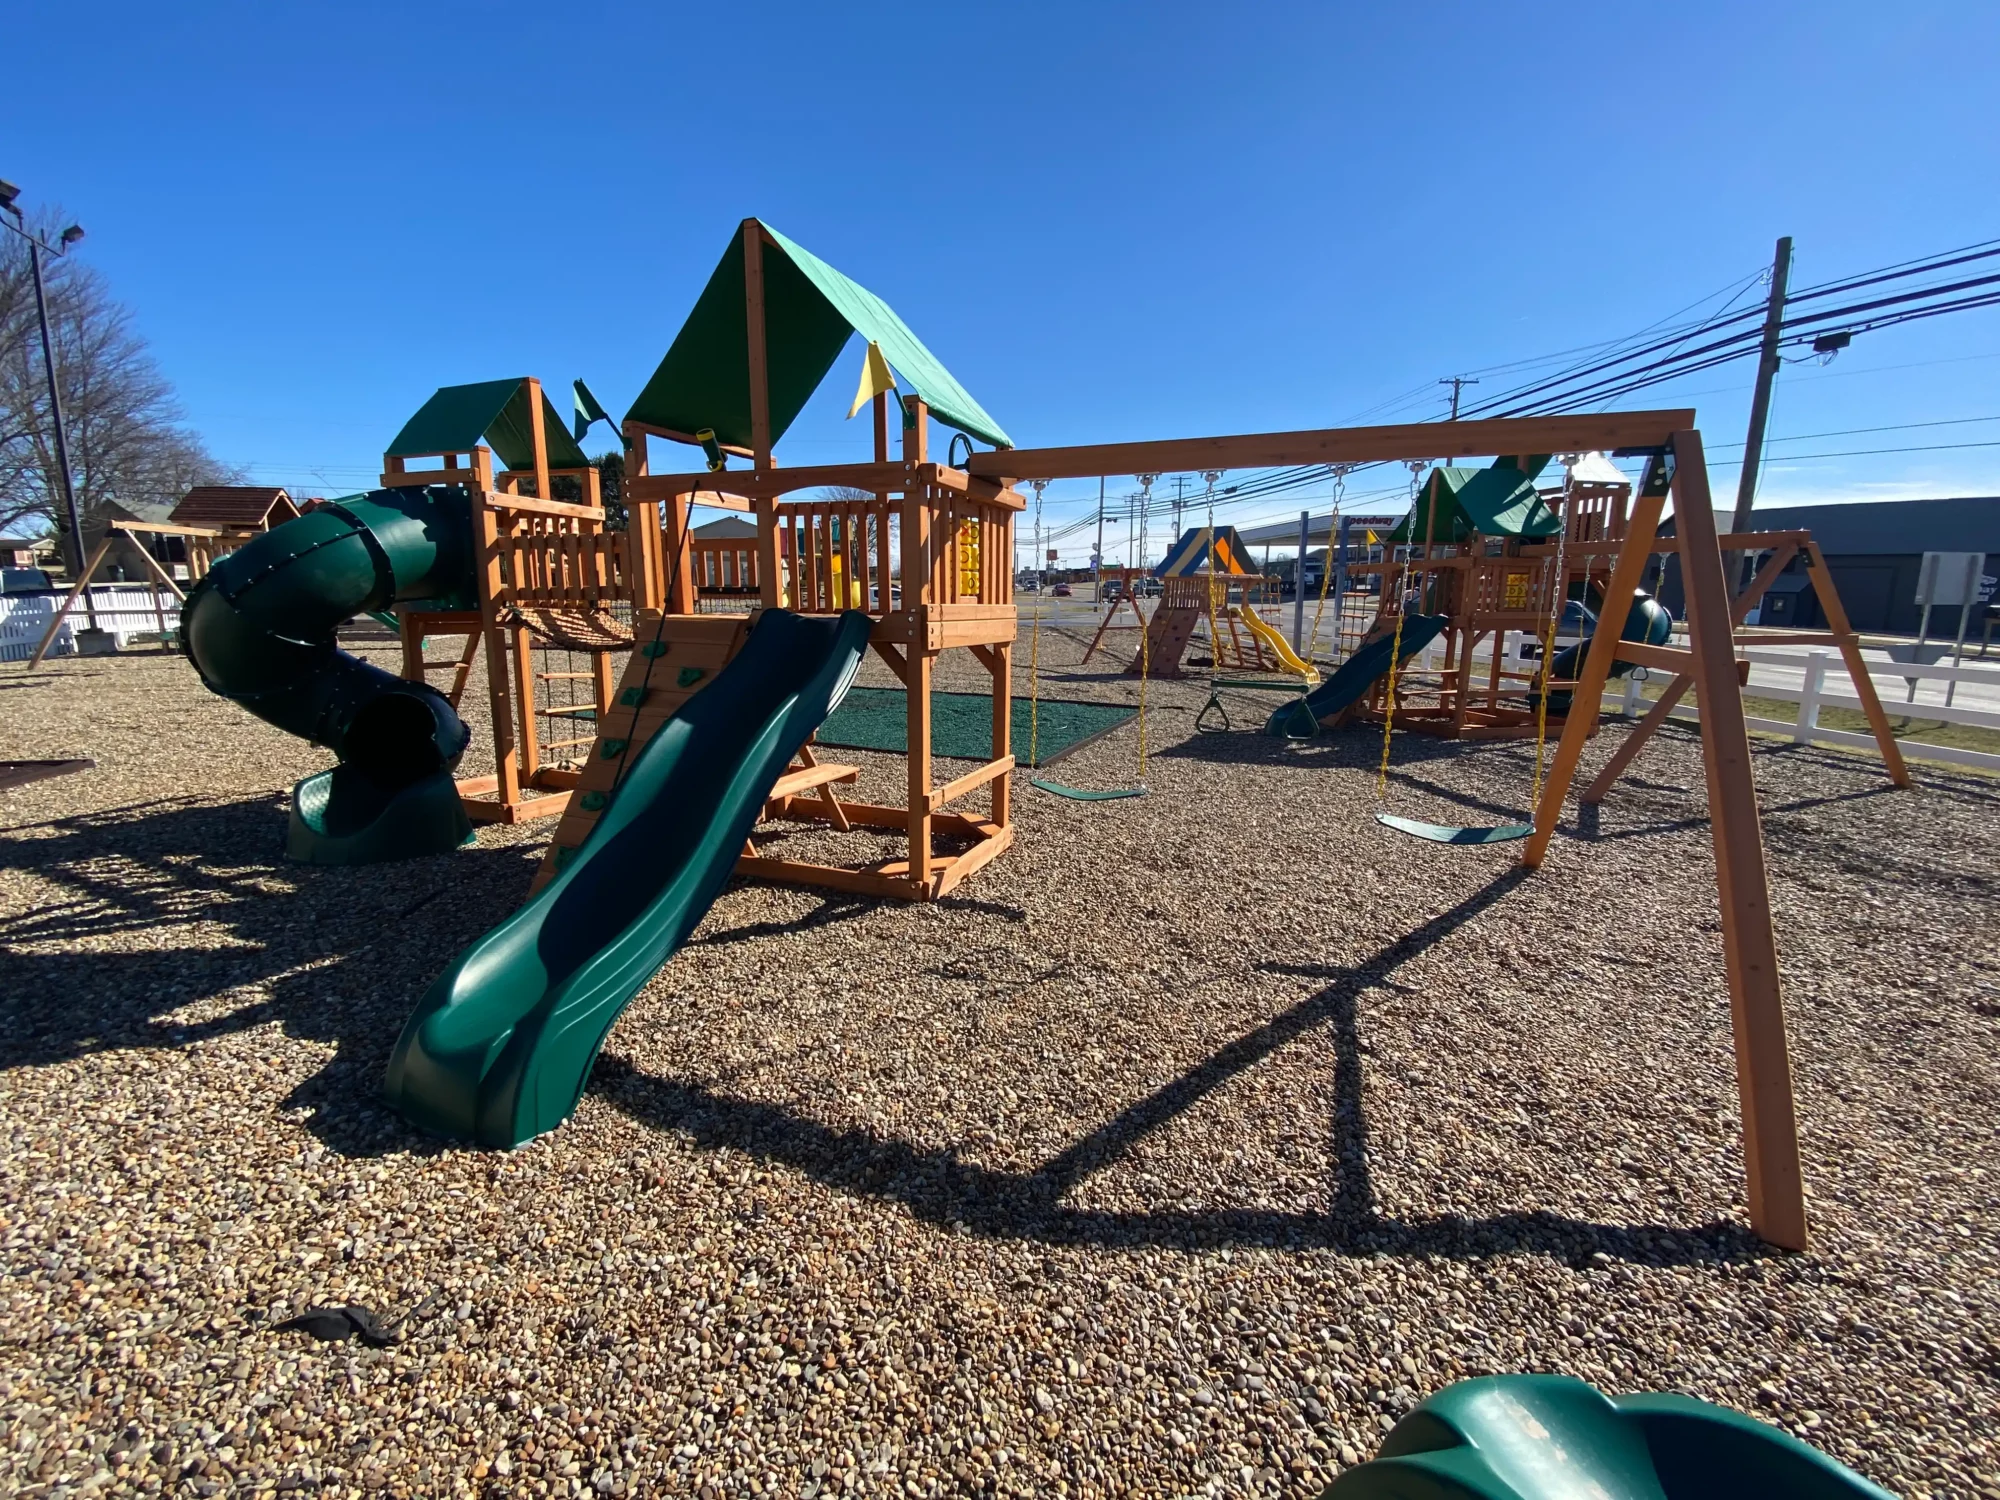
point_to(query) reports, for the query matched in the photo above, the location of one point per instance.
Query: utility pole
(1145, 513)
(1760, 406)
(1180, 486)
(1097, 557)
(1457, 383)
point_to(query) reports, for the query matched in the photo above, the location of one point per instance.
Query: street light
(9, 194)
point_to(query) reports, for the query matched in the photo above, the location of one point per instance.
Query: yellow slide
(1280, 647)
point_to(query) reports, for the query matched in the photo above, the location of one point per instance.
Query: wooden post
(676, 554)
(1749, 942)
(412, 637)
(760, 375)
(1003, 728)
(919, 664)
(500, 704)
(539, 433)
(1857, 667)
(521, 647)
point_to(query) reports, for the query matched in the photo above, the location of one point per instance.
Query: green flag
(587, 411)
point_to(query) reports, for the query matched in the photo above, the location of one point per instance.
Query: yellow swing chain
(1557, 604)
(1035, 640)
(1396, 646)
(1326, 573)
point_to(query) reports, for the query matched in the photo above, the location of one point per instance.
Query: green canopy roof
(495, 412)
(810, 312)
(1498, 502)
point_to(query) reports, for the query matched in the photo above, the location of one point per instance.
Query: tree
(127, 441)
(611, 485)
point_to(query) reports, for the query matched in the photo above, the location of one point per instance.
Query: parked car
(26, 581)
(1112, 592)
(1062, 591)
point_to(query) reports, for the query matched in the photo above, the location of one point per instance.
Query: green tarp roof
(1499, 502)
(495, 412)
(810, 312)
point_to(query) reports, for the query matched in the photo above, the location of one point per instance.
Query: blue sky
(1111, 221)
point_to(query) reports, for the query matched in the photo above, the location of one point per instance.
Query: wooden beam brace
(69, 600)
(1662, 658)
(897, 662)
(1658, 715)
(971, 781)
(1857, 667)
(1414, 440)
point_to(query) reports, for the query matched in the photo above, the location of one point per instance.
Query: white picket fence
(128, 611)
(1824, 683)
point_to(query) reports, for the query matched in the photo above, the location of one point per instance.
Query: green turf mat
(873, 718)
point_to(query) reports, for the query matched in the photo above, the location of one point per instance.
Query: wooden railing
(725, 565)
(972, 551)
(555, 555)
(837, 555)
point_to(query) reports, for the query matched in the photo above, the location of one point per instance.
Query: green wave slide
(1355, 676)
(500, 1048)
(260, 630)
(1552, 1437)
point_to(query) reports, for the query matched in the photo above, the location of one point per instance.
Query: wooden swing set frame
(1708, 664)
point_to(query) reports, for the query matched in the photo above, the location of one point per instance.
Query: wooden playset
(1192, 602)
(546, 572)
(201, 545)
(928, 555)
(925, 550)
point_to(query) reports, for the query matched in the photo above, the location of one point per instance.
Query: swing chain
(1396, 646)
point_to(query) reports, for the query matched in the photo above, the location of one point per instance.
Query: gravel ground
(1164, 1159)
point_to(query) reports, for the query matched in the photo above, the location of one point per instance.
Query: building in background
(1874, 550)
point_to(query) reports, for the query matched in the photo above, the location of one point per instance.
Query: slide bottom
(1551, 1437)
(346, 817)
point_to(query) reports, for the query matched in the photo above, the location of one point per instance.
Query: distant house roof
(1969, 523)
(20, 543)
(728, 529)
(237, 506)
(124, 510)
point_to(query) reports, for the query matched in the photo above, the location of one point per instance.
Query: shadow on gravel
(244, 939)
(940, 1188)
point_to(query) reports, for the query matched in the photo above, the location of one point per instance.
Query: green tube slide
(1646, 621)
(1551, 1437)
(1355, 676)
(260, 629)
(501, 1045)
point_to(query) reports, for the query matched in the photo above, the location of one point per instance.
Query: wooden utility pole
(1760, 405)
(1097, 557)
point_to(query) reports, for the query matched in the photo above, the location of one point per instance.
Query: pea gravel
(1181, 1152)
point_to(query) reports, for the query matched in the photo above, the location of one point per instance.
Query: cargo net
(566, 648)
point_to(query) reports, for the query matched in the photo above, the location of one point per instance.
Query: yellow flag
(875, 379)
(1373, 539)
